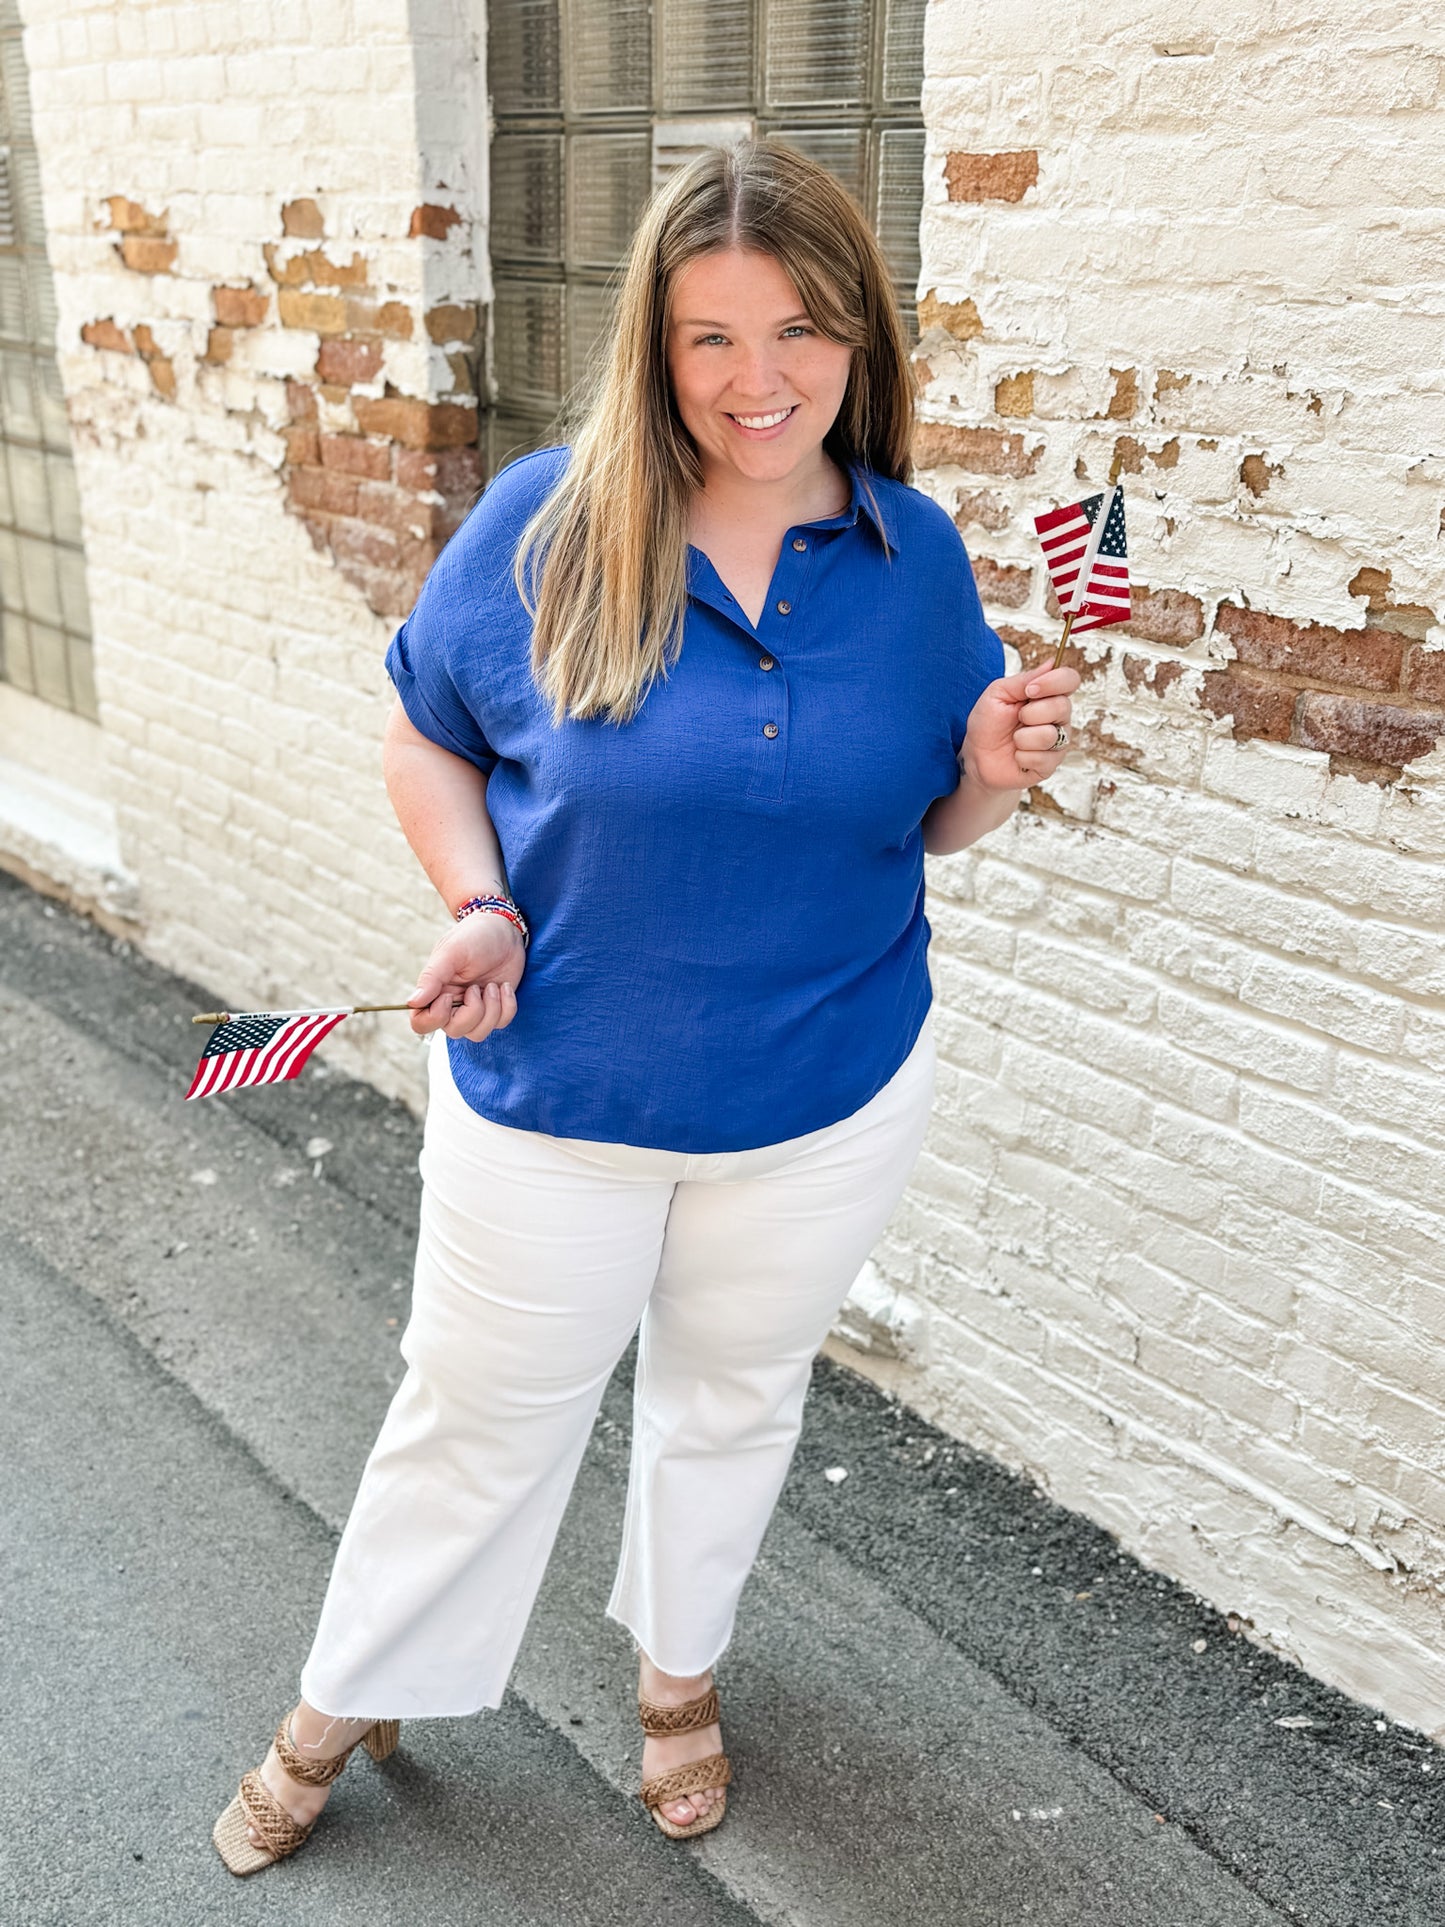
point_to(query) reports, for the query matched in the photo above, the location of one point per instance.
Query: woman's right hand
(468, 985)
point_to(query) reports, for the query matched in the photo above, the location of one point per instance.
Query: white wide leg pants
(538, 1256)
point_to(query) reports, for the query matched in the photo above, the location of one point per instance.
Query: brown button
(770, 729)
(799, 543)
(765, 662)
(785, 608)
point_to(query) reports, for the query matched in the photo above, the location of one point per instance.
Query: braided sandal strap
(298, 1767)
(279, 1833)
(658, 1720)
(696, 1777)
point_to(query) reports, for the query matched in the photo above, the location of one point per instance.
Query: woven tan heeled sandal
(696, 1776)
(256, 1806)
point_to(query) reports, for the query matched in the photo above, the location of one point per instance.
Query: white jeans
(538, 1256)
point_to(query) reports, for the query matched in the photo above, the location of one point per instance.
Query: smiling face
(741, 354)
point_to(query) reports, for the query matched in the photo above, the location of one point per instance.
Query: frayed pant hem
(677, 1672)
(395, 1711)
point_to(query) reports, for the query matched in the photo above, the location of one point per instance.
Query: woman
(702, 687)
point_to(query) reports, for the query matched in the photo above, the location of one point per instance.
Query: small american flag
(1088, 559)
(262, 1047)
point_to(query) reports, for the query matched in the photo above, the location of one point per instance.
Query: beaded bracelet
(499, 906)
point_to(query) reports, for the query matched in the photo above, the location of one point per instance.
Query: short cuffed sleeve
(419, 671)
(978, 656)
(461, 660)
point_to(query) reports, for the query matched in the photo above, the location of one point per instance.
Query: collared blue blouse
(725, 894)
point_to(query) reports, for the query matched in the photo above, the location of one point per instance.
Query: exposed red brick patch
(315, 269)
(453, 473)
(1425, 675)
(1166, 382)
(1165, 615)
(219, 343)
(1001, 583)
(327, 273)
(240, 307)
(1100, 745)
(1373, 585)
(303, 445)
(364, 316)
(389, 507)
(461, 366)
(148, 253)
(451, 322)
(957, 318)
(1256, 473)
(1149, 672)
(1014, 394)
(1037, 652)
(1131, 455)
(303, 219)
(105, 334)
(322, 314)
(354, 455)
(1033, 648)
(162, 373)
(382, 500)
(1375, 733)
(1365, 658)
(436, 223)
(991, 177)
(1125, 398)
(1259, 708)
(323, 488)
(379, 508)
(353, 540)
(129, 217)
(923, 371)
(346, 361)
(985, 451)
(418, 424)
(1405, 618)
(981, 508)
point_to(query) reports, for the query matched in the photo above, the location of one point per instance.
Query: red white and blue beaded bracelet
(499, 906)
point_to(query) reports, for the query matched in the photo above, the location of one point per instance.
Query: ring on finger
(1061, 739)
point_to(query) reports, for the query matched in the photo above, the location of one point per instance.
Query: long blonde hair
(601, 565)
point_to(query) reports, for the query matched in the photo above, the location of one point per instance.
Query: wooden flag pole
(1063, 640)
(1115, 470)
(353, 1010)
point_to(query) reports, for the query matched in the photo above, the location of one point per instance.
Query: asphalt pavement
(947, 1700)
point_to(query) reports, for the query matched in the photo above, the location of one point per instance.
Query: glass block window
(44, 612)
(594, 101)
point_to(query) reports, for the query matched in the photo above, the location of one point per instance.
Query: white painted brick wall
(240, 677)
(1176, 1231)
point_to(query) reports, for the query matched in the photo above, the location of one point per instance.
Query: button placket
(788, 592)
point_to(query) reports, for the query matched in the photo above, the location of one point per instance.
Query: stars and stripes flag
(1088, 559)
(261, 1047)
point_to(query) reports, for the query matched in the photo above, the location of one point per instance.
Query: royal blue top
(728, 943)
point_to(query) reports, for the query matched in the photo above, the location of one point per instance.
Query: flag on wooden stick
(260, 1047)
(1087, 554)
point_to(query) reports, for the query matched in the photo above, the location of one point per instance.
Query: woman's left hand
(1012, 741)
